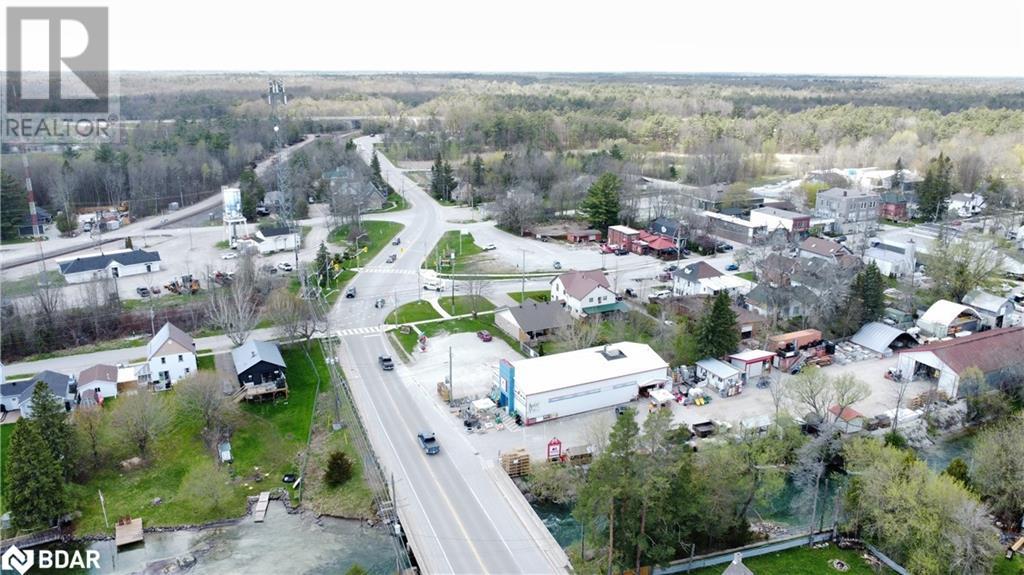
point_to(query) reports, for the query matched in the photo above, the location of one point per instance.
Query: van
(433, 285)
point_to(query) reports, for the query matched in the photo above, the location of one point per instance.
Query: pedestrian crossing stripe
(359, 330)
(377, 270)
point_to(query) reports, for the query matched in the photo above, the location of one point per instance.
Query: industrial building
(946, 318)
(998, 353)
(551, 386)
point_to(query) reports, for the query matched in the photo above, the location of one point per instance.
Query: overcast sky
(869, 37)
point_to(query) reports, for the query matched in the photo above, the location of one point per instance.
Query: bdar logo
(16, 559)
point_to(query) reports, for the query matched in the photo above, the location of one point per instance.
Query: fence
(885, 559)
(726, 556)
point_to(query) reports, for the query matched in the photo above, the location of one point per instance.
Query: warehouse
(563, 384)
(997, 353)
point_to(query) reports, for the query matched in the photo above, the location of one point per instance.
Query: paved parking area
(475, 363)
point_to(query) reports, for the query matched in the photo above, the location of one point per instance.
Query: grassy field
(26, 285)
(379, 235)
(749, 276)
(413, 311)
(539, 295)
(164, 300)
(397, 204)
(91, 348)
(800, 561)
(464, 249)
(462, 325)
(1004, 567)
(465, 304)
(205, 363)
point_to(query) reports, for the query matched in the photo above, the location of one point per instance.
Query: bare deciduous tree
(235, 308)
(294, 317)
(846, 391)
(811, 389)
(202, 396)
(579, 334)
(140, 418)
(88, 423)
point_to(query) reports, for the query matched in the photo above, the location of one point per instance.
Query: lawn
(205, 363)
(91, 348)
(164, 300)
(394, 203)
(749, 276)
(465, 304)
(1004, 567)
(799, 561)
(462, 325)
(453, 241)
(539, 295)
(28, 284)
(379, 235)
(412, 312)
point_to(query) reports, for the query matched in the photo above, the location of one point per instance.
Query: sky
(862, 37)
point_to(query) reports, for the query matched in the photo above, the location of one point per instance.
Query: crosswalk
(382, 270)
(359, 331)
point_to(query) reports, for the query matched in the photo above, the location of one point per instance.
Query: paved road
(458, 518)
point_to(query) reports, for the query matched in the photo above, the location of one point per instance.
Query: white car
(228, 256)
(488, 247)
(285, 267)
(661, 294)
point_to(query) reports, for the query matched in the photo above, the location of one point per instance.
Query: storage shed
(945, 318)
(720, 375)
(752, 363)
(882, 338)
(998, 353)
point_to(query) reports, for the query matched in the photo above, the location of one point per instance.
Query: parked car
(630, 292)
(379, 303)
(484, 335)
(557, 265)
(142, 291)
(229, 256)
(661, 294)
(269, 268)
(391, 259)
(429, 443)
(544, 239)
(488, 247)
(386, 363)
(607, 249)
(622, 252)
(732, 267)
(350, 292)
(285, 267)
(723, 247)
(396, 241)
(670, 268)
(433, 286)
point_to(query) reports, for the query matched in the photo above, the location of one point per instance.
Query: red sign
(554, 449)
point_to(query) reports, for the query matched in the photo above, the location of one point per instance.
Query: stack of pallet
(516, 463)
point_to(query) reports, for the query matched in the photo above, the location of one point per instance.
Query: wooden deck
(128, 532)
(263, 392)
(259, 513)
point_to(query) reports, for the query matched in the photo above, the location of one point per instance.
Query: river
(292, 543)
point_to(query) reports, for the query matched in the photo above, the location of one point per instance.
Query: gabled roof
(98, 372)
(990, 351)
(697, 271)
(57, 382)
(101, 261)
(272, 230)
(579, 283)
(823, 247)
(983, 300)
(254, 351)
(943, 312)
(535, 316)
(169, 332)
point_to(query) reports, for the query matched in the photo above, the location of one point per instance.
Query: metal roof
(168, 332)
(562, 370)
(878, 336)
(990, 351)
(254, 351)
(983, 300)
(718, 367)
(101, 261)
(943, 312)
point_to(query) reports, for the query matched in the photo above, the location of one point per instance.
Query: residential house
(532, 321)
(946, 318)
(275, 237)
(654, 244)
(895, 206)
(585, 293)
(749, 323)
(712, 199)
(994, 310)
(772, 218)
(260, 368)
(101, 378)
(170, 356)
(735, 228)
(17, 395)
(344, 185)
(823, 248)
(783, 301)
(966, 205)
(120, 263)
(882, 180)
(893, 259)
(701, 278)
(724, 378)
(855, 211)
(998, 353)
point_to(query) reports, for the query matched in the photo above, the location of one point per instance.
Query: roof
(943, 312)
(762, 291)
(101, 261)
(878, 336)
(983, 300)
(572, 368)
(536, 316)
(752, 355)
(989, 351)
(697, 271)
(15, 388)
(254, 351)
(57, 382)
(98, 372)
(623, 229)
(606, 307)
(780, 213)
(717, 367)
(848, 414)
(823, 247)
(846, 193)
(169, 332)
(886, 255)
(272, 230)
(579, 283)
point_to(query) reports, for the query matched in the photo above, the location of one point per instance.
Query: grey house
(533, 321)
(18, 394)
(855, 211)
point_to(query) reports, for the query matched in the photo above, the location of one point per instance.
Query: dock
(260, 511)
(128, 531)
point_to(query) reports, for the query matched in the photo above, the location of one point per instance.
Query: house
(712, 199)
(882, 180)
(945, 318)
(17, 395)
(735, 228)
(260, 368)
(749, 323)
(623, 236)
(120, 263)
(895, 206)
(532, 321)
(669, 228)
(998, 353)
(344, 185)
(893, 259)
(170, 356)
(782, 302)
(654, 244)
(794, 223)
(823, 248)
(275, 237)
(994, 311)
(585, 293)
(752, 363)
(701, 278)
(726, 379)
(855, 211)
(966, 205)
(563, 384)
(578, 236)
(101, 377)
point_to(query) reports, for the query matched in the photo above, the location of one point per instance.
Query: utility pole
(451, 379)
(522, 287)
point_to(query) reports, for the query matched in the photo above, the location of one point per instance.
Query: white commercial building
(563, 384)
(115, 264)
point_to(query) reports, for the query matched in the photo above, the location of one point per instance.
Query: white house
(120, 263)
(585, 293)
(563, 384)
(894, 259)
(275, 238)
(171, 355)
(101, 377)
(966, 205)
(720, 375)
(700, 278)
(995, 311)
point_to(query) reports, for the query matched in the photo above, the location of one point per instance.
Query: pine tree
(339, 469)
(128, 244)
(33, 482)
(350, 146)
(323, 260)
(601, 206)
(375, 174)
(15, 205)
(252, 193)
(871, 294)
(897, 178)
(51, 419)
(934, 192)
(717, 332)
(436, 173)
(478, 171)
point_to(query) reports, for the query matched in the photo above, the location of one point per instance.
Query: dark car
(350, 292)
(391, 259)
(396, 241)
(621, 252)
(732, 267)
(142, 291)
(386, 363)
(484, 335)
(429, 443)
(379, 303)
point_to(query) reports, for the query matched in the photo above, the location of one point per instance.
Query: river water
(296, 544)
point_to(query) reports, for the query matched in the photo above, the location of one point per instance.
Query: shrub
(339, 469)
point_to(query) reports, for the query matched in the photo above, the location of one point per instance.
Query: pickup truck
(429, 443)
(386, 363)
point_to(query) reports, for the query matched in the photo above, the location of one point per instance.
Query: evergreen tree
(252, 193)
(717, 332)
(442, 179)
(339, 469)
(15, 206)
(871, 294)
(128, 244)
(34, 486)
(66, 222)
(375, 175)
(350, 145)
(616, 152)
(51, 419)
(897, 178)
(478, 171)
(322, 261)
(601, 205)
(934, 192)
